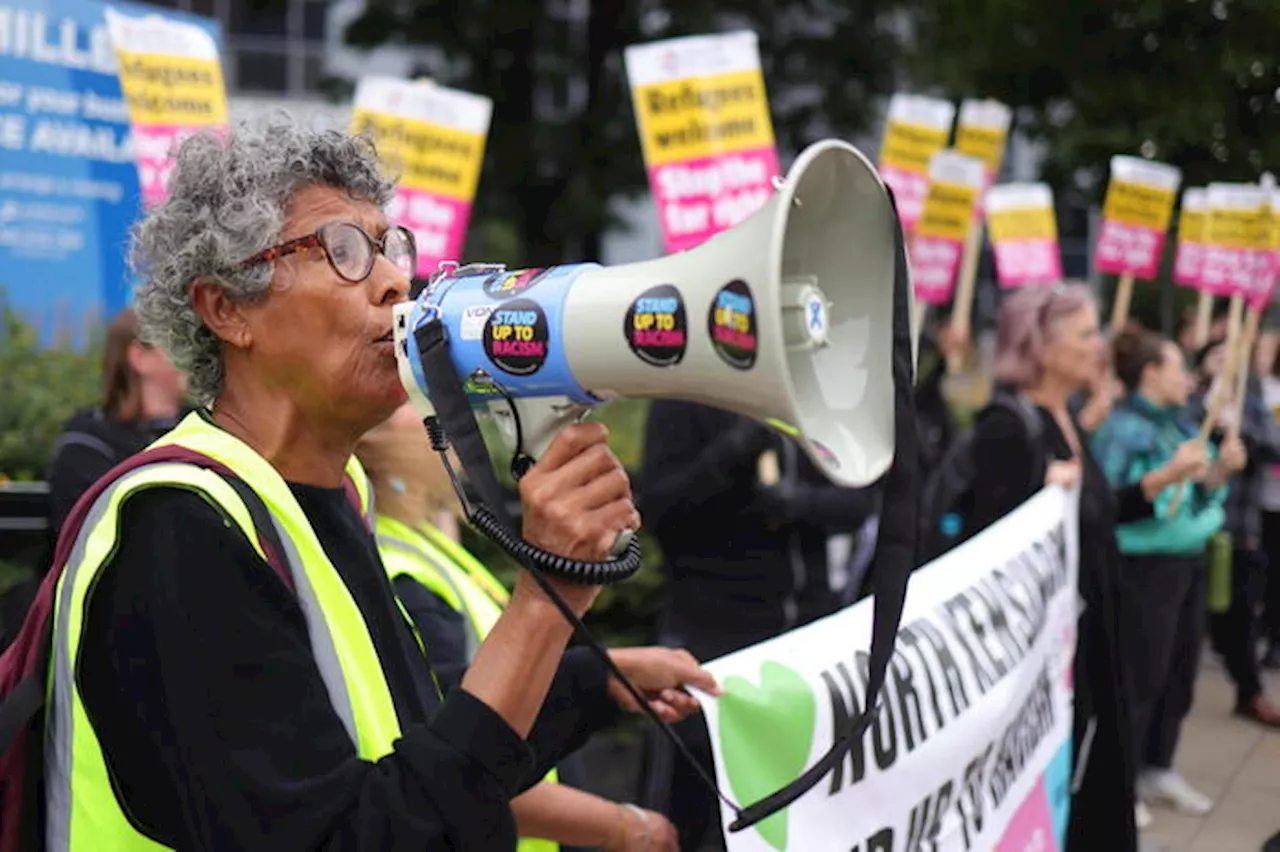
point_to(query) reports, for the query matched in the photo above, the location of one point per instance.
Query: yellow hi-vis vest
(434, 560)
(82, 811)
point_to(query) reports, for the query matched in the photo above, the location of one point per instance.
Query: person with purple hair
(1049, 346)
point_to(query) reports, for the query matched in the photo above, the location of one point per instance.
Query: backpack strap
(1032, 424)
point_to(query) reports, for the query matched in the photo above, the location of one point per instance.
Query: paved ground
(1235, 762)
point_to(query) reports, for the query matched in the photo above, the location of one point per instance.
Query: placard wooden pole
(1204, 319)
(1243, 365)
(962, 301)
(1225, 382)
(1120, 306)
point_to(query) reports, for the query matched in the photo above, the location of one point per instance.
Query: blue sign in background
(68, 181)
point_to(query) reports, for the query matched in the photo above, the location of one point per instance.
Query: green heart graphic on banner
(766, 733)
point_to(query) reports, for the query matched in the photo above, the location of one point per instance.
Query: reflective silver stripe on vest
(473, 637)
(59, 724)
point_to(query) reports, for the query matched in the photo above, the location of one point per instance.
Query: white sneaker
(1141, 816)
(1169, 788)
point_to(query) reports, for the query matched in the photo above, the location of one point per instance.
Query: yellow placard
(387, 132)
(1026, 224)
(910, 147)
(1236, 229)
(441, 160)
(1193, 226)
(1138, 206)
(948, 211)
(428, 157)
(983, 143)
(704, 116)
(1271, 229)
(172, 90)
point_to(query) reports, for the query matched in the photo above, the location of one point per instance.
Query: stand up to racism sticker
(731, 323)
(515, 337)
(655, 326)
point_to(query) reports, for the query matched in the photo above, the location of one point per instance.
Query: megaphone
(797, 318)
(785, 318)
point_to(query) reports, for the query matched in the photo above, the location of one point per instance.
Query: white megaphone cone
(786, 318)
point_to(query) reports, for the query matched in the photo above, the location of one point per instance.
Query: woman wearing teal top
(453, 600)
(1162, 584)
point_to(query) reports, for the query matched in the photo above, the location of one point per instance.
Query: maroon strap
(28, 654)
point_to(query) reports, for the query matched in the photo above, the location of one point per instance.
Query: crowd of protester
(755, 542)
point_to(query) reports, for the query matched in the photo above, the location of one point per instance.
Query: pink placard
(1188, 263)
(1128, 249)
(935, 261)
(909, 192)
(1022, 262)
(698, 199)
(155, 147)
(1031, 829)
(439, 225)
(1227, 271)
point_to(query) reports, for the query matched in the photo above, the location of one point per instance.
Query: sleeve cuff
(474, 728)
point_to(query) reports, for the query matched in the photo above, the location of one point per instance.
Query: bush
(40, 387)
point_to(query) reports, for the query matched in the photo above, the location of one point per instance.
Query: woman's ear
(220, 313)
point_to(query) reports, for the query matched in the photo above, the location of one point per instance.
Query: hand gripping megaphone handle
(454, 422)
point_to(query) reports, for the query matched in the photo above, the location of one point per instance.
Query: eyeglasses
(351, 251)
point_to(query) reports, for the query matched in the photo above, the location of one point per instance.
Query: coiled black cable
(575, 570)
(595, 573)
(482, 518)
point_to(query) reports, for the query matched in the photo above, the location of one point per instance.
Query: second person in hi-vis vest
(454, 601)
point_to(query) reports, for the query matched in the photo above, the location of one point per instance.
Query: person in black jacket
(1234, 633)
(142, 398)
(752, 535)
(1049, 346)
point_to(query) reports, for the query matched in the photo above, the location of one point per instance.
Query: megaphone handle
(540, 419)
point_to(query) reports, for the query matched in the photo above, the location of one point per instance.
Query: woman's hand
(576, 500)
(643, 831)
(1233, 455)
(658, 674)
(1064, 473)
(1190, 461)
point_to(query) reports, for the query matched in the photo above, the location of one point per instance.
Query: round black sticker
(505, 284)
(732, 325)
(515, 337)
(655, 326)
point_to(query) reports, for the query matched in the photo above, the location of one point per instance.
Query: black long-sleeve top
(199, 679)
(1008, 470)
(738, 558)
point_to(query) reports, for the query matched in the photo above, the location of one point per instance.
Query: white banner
(971, 749)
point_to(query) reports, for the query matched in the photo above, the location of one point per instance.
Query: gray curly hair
(227, 200)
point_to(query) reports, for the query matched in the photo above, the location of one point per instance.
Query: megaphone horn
(785, 318)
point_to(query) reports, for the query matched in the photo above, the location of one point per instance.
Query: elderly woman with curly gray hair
(230, 667)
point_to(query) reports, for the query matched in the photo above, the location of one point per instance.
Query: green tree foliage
(40, 387)
(563, 139)
(1190, 82)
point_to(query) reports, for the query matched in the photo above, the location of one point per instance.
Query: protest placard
(171, 76)
(705, 131)
(955, 182)
(1135, 217)
(433, 139)
(917, 127)
(1024, 234)
(1193, 227)
(971, 747)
